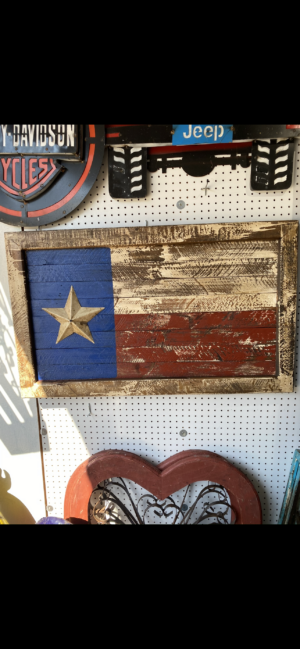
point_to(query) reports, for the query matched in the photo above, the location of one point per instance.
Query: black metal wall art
(211, 506)
(271, 161)
(272, 164)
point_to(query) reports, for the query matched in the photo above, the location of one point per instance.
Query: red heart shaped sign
(168, 477)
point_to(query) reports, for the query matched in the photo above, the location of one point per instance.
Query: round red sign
(46, 170)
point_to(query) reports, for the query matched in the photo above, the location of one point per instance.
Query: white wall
(21, 480)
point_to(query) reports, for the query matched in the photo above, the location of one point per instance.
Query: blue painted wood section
(77, 372)
(51, 274)
(291, 493)
(76, 356)
(99, 323)
(37, 306)
(70, 273)
(101, 339)
(61, 290)
(68, 257)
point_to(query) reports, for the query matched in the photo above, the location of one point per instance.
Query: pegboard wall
(257, 433)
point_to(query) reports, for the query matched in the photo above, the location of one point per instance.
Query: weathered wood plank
(67, 257)
(139, 236)
(72, 273)
(127, 387)
(73, 372)
(217, 352)
(189, 269)
(287, 298)
(47, 357)
(141, 322)
(161, 370)
(196, 368)
(190, 287)
(198, 252)
(37, 306)
(99, 323)
(181, 304)
(48, 341)
(154, 288)
(61, 290)
(252, 336)
(231, 319)
(157, 270)
(20, 311)
(120, 306)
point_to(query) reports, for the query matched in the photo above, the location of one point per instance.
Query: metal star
(73, 318)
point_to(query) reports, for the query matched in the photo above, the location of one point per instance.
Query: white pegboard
(257, 433)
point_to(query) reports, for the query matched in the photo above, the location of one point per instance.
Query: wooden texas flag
(155, 311)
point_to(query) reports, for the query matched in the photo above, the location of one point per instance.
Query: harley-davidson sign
(46, 170)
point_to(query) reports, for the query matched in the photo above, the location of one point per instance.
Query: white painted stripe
(195, 304)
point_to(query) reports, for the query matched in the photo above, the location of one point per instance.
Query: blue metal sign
(201, 133)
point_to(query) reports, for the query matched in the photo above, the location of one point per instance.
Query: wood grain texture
(73, 372)
(101, 340)
(60, 290)
(231, 319)
(127, 387)
(81, 256)
(287, 305)
(164, 305)
(197, 369)
(201, 253)
(179, 304)
(209, 286)
(46, 357)
(140, 322)
(265, 233)
(188, 269)
(144, 236)
(20, 312)
(252, 336)
(99, 323)
(181, 269)
(217, 352)
(38, 305)
(71, 273)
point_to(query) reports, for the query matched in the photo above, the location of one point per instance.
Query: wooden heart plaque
(167, 478)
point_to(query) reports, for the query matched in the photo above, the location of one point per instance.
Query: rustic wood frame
(19, 242)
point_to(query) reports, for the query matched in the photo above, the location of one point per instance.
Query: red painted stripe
(195, 369)
(74, 191)
(229, 352)
(231, 319)
(11, 212)
(43, 180)
(186, 337)
(8, 189)
(110, 135)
